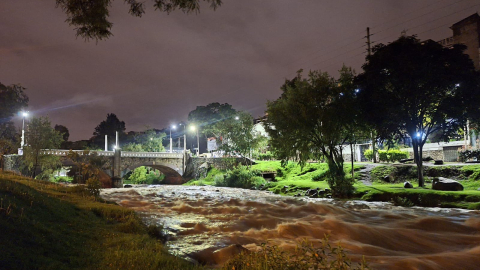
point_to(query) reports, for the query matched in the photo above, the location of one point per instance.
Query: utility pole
(373, 132)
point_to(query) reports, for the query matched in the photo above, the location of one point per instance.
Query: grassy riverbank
(49, 226)
(314, 175)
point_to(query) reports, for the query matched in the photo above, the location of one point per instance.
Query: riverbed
(210, 224)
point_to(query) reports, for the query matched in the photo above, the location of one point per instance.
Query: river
(208, 224)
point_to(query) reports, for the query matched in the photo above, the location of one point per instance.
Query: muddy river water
(209, 224)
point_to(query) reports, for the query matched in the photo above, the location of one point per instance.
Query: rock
(442, 183)
(311, 192)
(406, 160)
(478, 189)
(327, 190)
(438, 162)
(329, 196)
(321, 193)
(386, 178)
(127, 186)
(407, 185)
(285, 187)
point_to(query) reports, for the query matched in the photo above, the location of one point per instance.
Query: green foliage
(368, 154)
(90, 19)
(401, 201)
(66, 228)
(93, 186)
(39, 136)
(391, 155)
(304, 257)
(415, 88)
(311, 119)
(142, 175)
(468, 154)
(210, 119)
(243, 177)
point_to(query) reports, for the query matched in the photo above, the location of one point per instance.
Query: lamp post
(24, 114)
(193, 128)
(184, 138)
(174, 127)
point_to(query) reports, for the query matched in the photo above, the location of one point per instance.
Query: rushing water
(211, 224)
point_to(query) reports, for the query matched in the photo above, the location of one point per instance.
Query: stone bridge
(177, 167)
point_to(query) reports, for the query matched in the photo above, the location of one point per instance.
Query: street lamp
(174, 127)
(24, 114)
(184, 138)
(193, 128)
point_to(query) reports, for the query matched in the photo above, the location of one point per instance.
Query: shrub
(304, 257)
(468, 154)
(93, 186)
(391, 155)
(368, 154)
(219, 180)
(242, 177)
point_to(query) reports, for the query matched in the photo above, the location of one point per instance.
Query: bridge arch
(171, 171)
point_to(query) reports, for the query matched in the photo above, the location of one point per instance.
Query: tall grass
(49, 226)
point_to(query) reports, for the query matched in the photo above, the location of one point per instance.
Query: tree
(150, 141)
(109, 127)
(210, 118)
(411, 88)
(64, 131)
(41, 136)
(238, 134)
(12, 101)
(90, 18)
(310, 120)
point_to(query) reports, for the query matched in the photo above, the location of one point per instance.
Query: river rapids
(209, 224)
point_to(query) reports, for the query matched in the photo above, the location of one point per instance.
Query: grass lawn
(50, 226)
(314, 175)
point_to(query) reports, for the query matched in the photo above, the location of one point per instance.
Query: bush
(391, 155)
(219, 180)
(93, 186)
(243, 177)
(368, 154)
(468, 154)
(304, 257)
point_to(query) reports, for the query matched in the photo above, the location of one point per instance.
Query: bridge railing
(152, 154)
(61, 152)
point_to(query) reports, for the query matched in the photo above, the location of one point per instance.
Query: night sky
(158, 68)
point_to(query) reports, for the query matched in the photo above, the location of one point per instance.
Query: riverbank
(50, 226)
(370, 183)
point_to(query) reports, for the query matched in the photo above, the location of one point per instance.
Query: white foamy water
(204, 223)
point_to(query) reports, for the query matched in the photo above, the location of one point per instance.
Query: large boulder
(407, 185)
(442, 183)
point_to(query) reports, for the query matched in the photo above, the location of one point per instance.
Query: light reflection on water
(203, 221)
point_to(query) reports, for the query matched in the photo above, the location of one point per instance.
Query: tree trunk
(374, 148)
(352, 158)
(420, 167)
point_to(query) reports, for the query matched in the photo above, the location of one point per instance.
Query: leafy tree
(109, 127)
(311, 120)
(239, 135)
(64, 131)
(40, 136)
(12, 100)
(87, 169)
(90, 18)
(414, 88)
(210, 118)
(149, 141)
(133, 147)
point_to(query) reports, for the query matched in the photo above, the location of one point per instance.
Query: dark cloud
(157, 68)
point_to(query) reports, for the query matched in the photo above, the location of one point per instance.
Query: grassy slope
(468, 175)
(292, 175)
(48, 226)
(299, 179)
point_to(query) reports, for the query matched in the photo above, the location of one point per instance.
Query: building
(467, 32)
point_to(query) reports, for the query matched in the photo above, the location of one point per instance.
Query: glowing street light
(194, 128)
(172, 127)
(184, 138)
(24, 114)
